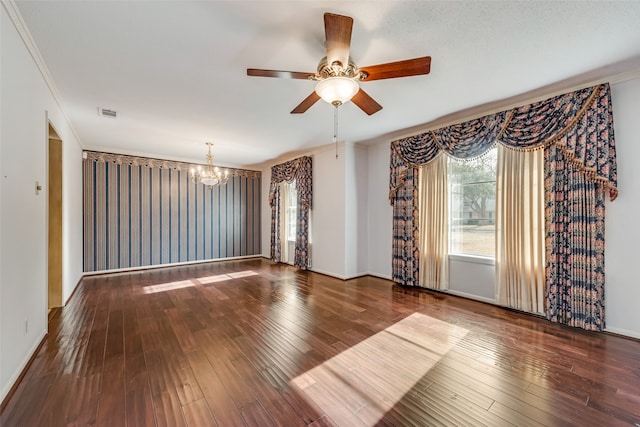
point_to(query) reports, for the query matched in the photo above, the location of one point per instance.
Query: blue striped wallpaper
(142, 212)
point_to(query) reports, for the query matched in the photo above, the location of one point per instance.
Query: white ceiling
(175, 71)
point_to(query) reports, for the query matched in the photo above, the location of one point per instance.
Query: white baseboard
(381, 276)
(470, 296)
(625, 332)
(328, 273)
(350, 276)
(171, 264)
(16, 374)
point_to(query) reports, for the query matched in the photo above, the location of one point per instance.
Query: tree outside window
(472, 198)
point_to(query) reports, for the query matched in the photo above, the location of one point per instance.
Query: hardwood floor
(251, 343)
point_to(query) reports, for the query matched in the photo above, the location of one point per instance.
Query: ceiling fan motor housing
(336, 69)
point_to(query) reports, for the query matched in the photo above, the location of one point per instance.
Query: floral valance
(299, 169)
(124, 159)
(580, 123)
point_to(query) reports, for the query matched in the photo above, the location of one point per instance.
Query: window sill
(473, 259)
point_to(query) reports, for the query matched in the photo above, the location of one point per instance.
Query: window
(472, 205)
(291, 210)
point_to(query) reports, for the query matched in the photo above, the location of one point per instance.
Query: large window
(472, 205)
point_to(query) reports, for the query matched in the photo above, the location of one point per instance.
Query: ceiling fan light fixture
(337, 90)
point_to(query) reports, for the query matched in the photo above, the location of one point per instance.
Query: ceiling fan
(337, 75)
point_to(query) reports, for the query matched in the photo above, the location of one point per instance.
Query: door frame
(54, 193)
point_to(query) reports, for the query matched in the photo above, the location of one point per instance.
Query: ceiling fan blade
(391, 70)
(337, 30)
(366, 103)
(306, 104)
(256, 72)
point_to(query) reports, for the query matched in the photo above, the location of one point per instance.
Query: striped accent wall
(142, 212)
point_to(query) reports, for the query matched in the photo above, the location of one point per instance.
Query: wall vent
(105, 112)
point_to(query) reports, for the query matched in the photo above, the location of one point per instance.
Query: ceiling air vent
(105, 112)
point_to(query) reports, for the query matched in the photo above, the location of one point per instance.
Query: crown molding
(618, 72)
(153, 163)
(292, 155)
(12, 10)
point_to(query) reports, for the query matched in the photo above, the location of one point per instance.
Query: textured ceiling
(176, 70)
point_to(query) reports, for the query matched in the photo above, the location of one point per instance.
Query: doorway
(55, 219)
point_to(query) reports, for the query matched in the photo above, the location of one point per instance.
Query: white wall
(328, 223)
(380, 211)
(622, 226)
(475, 279)
(27, 103)
(356, 210)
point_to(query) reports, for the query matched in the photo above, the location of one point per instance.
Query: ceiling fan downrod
(336, 104)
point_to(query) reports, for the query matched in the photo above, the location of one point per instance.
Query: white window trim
(475, 259)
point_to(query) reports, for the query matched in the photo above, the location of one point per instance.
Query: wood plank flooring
(252, 343)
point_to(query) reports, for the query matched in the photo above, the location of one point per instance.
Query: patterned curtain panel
(405, 253)
(579, 170)
(301, 170)
(574, 245)
(301, 255)
(276, 242)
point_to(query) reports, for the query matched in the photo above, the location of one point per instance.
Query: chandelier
(209, 175)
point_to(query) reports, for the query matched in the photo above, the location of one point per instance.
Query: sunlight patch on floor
(361, 384)
(152, 289)
(240, 274)
(226, 276)
(213, 279)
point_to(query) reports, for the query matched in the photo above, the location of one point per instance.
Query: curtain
(275, 198)
(578, 175)
(579, 127)
(434, 220)
(299, 169)
(405, 247)
(524, 128)
(520, 274)
(575, 244)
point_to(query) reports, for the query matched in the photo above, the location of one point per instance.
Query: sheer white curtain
(520, 229)
(433, 225)
(287, 224)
